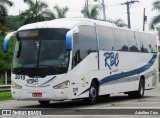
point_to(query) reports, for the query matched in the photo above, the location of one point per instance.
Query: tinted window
(87, 40)
(153, 43)
(132, 41)
(105, 35)
(76, 50)
(41, 52)
(144, 42)
(120, 40)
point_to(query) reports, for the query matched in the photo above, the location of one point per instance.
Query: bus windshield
(41, 52)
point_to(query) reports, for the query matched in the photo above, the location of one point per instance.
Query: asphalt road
(119, 102)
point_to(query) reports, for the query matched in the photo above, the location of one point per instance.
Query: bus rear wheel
(93, 94)
(44, 102)
(140, 92)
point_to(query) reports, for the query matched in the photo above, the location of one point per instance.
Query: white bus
(67, 59)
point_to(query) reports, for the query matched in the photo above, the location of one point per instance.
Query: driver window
(76, 50)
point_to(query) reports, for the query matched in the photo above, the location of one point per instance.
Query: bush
(6, 58)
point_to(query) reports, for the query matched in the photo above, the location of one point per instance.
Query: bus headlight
(62, 85)
(15, 86)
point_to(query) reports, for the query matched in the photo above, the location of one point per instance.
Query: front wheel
(44, 102)
(93, 94)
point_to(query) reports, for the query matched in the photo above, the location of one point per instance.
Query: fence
(5, 88)
(5, 77)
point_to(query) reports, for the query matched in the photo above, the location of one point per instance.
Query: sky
(114, 9)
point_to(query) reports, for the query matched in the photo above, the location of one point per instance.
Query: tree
(3, 10)
(37, 12)
(118, 22)
(6, 58)
(155, 19)
(13, 22)
(61, 12)
(92, 13)
(3, 30)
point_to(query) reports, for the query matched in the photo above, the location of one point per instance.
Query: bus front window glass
(41, 52)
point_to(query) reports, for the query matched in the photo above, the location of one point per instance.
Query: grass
(5, 95)
(1, 82)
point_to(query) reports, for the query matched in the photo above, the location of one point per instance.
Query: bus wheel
(140, 92)
(93, 94)
(44, 102)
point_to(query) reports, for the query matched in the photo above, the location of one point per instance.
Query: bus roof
(68, 23)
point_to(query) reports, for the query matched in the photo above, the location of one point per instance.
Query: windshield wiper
(22, 70)
(52, 67)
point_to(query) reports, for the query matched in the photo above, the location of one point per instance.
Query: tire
(93, 94)
(140, 92)
(44, 102)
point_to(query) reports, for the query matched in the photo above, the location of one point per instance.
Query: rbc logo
(111, 59)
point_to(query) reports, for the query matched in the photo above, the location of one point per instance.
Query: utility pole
(86, 8)
(104, 11)
(128, 3)
(144, 19)
(89, 2)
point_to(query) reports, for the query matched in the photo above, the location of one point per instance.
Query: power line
(128, 4)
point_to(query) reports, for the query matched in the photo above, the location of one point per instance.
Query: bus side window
(120, 40)
(132, 41)
(105, 35)
(149, 43)
(144, 43)
(87, 40)
(153, 43)
(76, 50)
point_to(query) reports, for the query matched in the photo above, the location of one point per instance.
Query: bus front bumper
(39, 94)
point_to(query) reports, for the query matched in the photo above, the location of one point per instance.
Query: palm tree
(92, 13)
(3, 9)
(155, 19)
(37, 12)
(118, 22)
(61, 12)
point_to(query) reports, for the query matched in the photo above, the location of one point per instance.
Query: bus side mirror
(6, 41)
(69, 37)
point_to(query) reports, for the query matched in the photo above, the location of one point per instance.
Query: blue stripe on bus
(84, 91)
(49, 80)
(126, 74)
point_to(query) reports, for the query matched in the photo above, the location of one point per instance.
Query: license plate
(36, 94)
